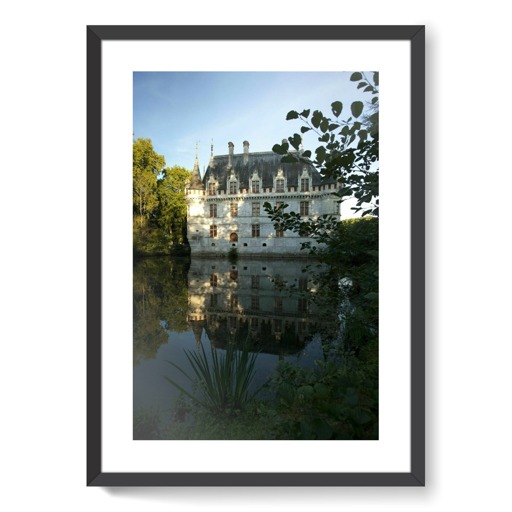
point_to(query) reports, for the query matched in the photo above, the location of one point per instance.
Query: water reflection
(268, 306)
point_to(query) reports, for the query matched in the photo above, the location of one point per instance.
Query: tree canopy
(159, 206)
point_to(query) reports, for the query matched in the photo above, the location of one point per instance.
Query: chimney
(231, 148)
(211, 153)
(246, 152)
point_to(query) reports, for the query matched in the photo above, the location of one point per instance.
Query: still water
(179, 306)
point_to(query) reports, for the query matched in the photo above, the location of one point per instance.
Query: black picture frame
(95, 35)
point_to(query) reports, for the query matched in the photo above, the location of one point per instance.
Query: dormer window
(305, 181)
(280, 181)
(255, 185)
(232, 184)
(212, 188)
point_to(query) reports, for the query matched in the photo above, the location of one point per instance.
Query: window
(211, 189)
(278, 304)
(255, 281)
(255, 209)
(213, 300)
(255, 230)
(280, 185)
(232, 187)
(302, 305)
(213, 280)
(279, 233)
(213, 210)
(304, 207)
(255, 186)
(255, 302)
(303, 283)
(213, 231)
(304, 185)
(233, 208)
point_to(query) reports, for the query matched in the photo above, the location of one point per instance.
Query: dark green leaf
(289, 159)
(292, 115)
(304, 129)
(295, 141)
(305, 113)
(356, 76)
(376, 78)
(316, 119)
(324, 125)
(280, 149)
(337, 107)
(320, 154)
(369, 88)
(361, 84)
(333, 126)
(356, 108)
(307, 154)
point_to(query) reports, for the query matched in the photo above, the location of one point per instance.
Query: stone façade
(225, 207)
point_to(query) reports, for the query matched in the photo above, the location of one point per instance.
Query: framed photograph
(256, 311)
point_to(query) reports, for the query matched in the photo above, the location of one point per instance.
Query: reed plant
(221, 381)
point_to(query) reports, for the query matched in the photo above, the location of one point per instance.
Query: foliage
(338, 399)
(321, 230)
(335, 400)
(172, 207)
(147, 165)
(222, 384)
(348, 151)
(159, 206)
(159, 295)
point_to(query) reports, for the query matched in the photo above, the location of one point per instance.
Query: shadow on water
(274, 310)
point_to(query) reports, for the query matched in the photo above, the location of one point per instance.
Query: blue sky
(177, 109)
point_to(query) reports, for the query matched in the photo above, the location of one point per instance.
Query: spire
(197, 329)
(195, 180)
(196, 161)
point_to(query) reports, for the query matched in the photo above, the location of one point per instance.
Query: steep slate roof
(195, 180)
(266, 163)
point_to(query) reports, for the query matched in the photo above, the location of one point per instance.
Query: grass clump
(221, 381)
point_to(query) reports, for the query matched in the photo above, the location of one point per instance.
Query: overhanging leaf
(357, 108)
(337, 107)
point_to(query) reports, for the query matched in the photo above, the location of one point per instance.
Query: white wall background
(43, 279)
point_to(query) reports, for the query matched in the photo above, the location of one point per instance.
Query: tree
(147, 165)
(348, 153)
(172, 210)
